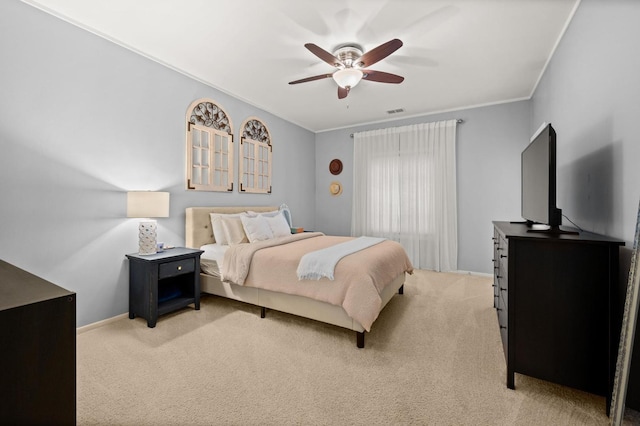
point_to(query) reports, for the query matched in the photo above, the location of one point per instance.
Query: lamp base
(147, 236)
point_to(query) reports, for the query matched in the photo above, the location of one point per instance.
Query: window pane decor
(209, 147)
(255, 151)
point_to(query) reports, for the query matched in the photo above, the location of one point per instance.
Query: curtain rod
(458, 120)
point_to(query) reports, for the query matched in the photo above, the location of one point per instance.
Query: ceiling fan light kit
(350, 59)
(348, 77)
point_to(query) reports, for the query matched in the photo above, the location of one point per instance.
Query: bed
(279, 289)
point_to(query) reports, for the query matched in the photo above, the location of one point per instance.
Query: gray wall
(82, 121)
(489, 143)
(591, 95)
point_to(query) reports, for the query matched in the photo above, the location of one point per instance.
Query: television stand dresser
(557, 301)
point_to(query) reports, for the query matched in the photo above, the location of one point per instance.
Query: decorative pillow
(279, 225)
(216, 225)
(287, 214)
(233, 230)
(256, 228)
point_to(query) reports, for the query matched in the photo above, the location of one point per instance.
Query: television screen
(539, 180)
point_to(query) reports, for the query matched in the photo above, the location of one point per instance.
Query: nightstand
(163, 282)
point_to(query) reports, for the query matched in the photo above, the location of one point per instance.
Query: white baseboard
(97, 324)
(477, 274)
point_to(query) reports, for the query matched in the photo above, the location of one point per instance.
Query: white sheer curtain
(405, 190)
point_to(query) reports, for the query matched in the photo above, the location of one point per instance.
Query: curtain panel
(405, 190)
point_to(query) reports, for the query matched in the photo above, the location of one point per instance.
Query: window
(255, 158)
(209, 147)
(404, 189)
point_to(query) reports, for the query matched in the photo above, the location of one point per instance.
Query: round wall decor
(335, 188)
(335, 167)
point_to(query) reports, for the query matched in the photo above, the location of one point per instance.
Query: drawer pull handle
(499, 276)
(503, 289)
(180, 268)
(498, 309)
(503, 326)
(502, 256)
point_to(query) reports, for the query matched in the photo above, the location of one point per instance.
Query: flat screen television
(539, 182)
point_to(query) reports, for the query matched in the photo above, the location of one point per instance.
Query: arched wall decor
(256, 130)
(207, 113)
(209, 147)
(255, 157)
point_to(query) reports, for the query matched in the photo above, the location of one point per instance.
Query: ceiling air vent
(395, 111)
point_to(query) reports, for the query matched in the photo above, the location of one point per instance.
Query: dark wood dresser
(553, 295)
(37, 350)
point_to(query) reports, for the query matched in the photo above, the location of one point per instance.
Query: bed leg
(263, 312)
(360, 339)
(401, 289)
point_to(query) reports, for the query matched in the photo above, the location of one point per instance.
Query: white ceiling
(456, 54)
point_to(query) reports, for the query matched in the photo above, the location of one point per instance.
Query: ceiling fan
(352, 62)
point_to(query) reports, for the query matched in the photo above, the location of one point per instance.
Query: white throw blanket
(322, 263)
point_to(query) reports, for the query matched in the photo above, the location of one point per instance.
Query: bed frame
(199, 233)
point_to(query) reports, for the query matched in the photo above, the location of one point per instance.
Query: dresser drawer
(502, 255)
(179, 267)
(503, 292)
(503, 312)
(503, 322)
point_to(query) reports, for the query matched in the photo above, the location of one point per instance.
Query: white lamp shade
(147, 204)
(347, 77)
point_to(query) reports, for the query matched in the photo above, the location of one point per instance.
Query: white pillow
(256, 228)
(279, 225)
(216, 225)
(233, 230)
(266, 214)
(218, 230)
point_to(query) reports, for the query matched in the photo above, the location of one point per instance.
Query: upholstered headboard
(198, 231)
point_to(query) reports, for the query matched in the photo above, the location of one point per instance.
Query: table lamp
(147, 205)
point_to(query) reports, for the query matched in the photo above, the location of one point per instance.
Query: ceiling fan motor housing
(349, 55)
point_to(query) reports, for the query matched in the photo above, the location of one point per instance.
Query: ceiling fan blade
(343, 92)
(382, 77)
(315, 77)
(380, 52)
(324, 55)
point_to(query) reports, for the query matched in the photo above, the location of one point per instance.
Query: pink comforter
(359, 277)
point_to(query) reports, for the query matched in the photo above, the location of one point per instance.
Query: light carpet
(434, 356)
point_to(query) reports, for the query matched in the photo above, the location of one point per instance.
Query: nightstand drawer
(179, 267)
